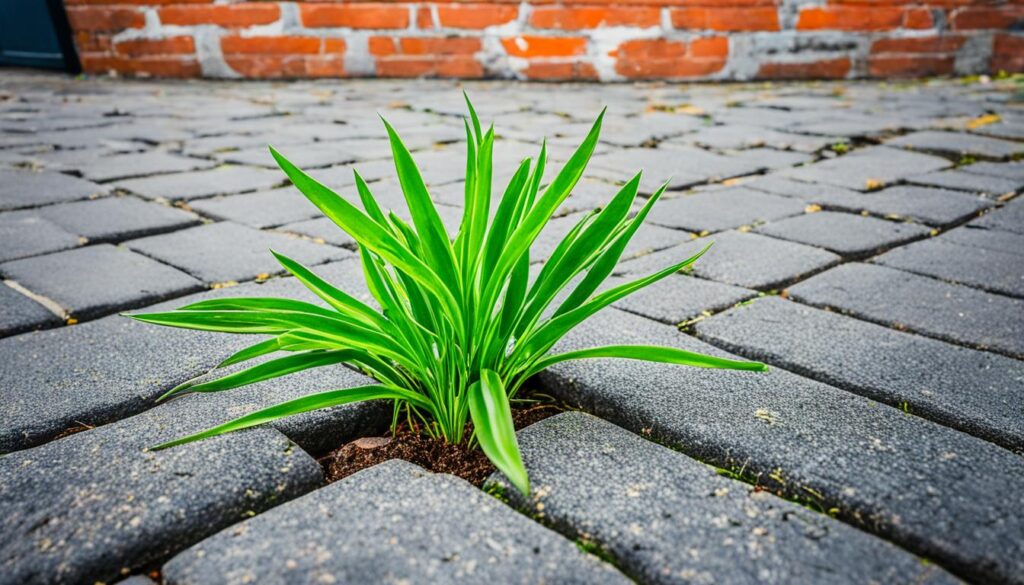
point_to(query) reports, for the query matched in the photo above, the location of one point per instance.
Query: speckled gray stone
(644, 504)
(86, 507)
(682, 166)
(958, 143)
(81, 280)
(20, 188)
(226, 251)
(304, 156)
(868, 168)
(939, 493)
(1009, 218)
(649, 238)
(20, 313)
(24, 234)
(974, 391)
(198, 184)
(1013, 170)
(680, 298)
(924, 305)
(981, 267)
(259, 210)
(993, 187)
(741, 259)
(722, 209)
(393, 523)
(122, 166)
(112, 219)
(931, 206)
(849, 235)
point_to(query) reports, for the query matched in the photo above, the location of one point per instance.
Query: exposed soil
(419, 448)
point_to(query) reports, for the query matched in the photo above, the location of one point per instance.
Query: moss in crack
(598, 550)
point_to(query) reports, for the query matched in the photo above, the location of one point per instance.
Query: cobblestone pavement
(868, 245)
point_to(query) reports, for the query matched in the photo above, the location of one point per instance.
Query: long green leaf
(492, 420)
(647, 353)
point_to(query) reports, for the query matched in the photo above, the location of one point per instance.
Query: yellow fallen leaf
(983, 121)
(224, 284)
(812, 208)
(262, 276)
(874, 184)
(71, 321)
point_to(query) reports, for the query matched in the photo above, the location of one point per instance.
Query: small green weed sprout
(462, 326)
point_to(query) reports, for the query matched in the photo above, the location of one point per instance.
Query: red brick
(325, 66)
(150, 66)
(424, 18)
(909, 65)
(555, 71)
(475, 16)
(285, 66)
(587, 17)
(134, 2)
(439, 46)
(918, 18)
(104, 18)
(332, 46)
(382, 46)
(658, 58)
(535, 46)
(168, 46)
(88, 42)
(231, 15)
(851, 18)
(286, 45)
(936, 44)
(369, 15)
(982, 17)
(824, 69)
(459, 66)
(710, 47)
(1008, 53)
(726, 19)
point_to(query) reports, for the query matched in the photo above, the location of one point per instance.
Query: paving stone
(124, 166)
(392, 523)
(994, 187)
(321, 229)
(101, 504)
(1009, 218)
(937, 207)
(96, 280)
(743, 136)
(821, 194)
(682, 166)
(643, 503)
(999, 241)
(21, 188)
(972, 391)
(722, 209)
(116, 218)
(825, 446)
(958, 143)
(198, 184)
(901, 299)
(980, 267)
(226, 252)
(771, 159)
(680, 298)
(868, 169)
(649, 238)
(742, 259)
(1013, 170)
(851, 236)
(259, 210)
(304, 156)
(24, 234)
(22, 313)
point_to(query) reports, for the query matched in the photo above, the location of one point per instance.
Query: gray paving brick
(304, 156)
(988, 185)
(225, 251)
(981, 267)
(920, 304)
(1009, 218)
(643, 503)
(116, 218)
(1013, 170)
(937, 207)
(972, 391)
(649, 238)
(958, 143)
(22, 313)
(96, 280)
(868, 169)
(735, 136)
(259, 210)
(851, 236)
(999, 241)
(682, 166)
(741, 259)
(124, 166)
(393, 523)
(771, 159)
(321, 229)
(22, 188)
(23, 234)
(715, 210)
(198, 184)
(825, 446)
(680, 298)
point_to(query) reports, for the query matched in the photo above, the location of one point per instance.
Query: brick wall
(605, 40)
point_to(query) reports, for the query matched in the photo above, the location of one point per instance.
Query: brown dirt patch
(419, 448)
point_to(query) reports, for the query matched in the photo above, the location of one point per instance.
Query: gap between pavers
(939, 493)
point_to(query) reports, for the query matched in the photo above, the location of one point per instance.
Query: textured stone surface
(974, 391)
(680, 298)
(1009, 218)
(722, 209)
(643, 503)
(225, 251)
(1013, 170)
(741, 259)
(931, 206)
(198, 184)
(987, 185)
(917, 303)
(259, 210)
(20, 313)
(649, 238)
(82, 281)
(848, 235)
(124, 166)
(958, 143)
(20, 188)
(869, 168)
(827, 447)
(24, 234)
(117, 218)
(393, 523)
(984, 267)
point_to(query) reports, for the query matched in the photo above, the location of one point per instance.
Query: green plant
(462, 326)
